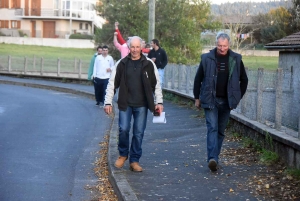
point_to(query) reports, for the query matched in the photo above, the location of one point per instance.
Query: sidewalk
(174, 158)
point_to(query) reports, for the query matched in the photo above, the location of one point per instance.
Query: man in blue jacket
(159, 57)
(220, 83)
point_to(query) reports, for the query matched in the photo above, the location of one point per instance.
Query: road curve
(48, 143)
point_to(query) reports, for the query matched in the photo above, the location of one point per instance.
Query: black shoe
(97, 104)
(212, 164)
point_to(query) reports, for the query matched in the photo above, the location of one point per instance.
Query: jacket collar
(128, 57)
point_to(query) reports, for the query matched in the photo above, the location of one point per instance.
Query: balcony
(48, 13)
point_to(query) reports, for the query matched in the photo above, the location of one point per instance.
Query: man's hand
(108, 70)
(198, 103)
(108, 109)
(160, 107)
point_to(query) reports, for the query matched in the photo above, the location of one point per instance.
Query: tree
(178, 24)
(295, 16)
(237, 23)
(273, 25)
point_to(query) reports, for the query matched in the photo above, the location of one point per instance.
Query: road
(48, 144)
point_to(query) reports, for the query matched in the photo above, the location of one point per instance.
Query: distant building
(48, 18)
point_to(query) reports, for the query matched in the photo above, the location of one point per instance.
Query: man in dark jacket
(220, 83)
(160, 58)
(137, 79)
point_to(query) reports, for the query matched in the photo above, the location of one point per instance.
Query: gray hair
(133, 38)
(223, 36)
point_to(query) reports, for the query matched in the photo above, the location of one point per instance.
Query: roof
(288, 43)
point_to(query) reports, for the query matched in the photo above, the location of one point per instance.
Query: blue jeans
(139, 115)
(100, 89)
(216, 122)
(161, 73)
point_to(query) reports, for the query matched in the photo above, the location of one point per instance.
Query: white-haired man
(220, 83)
(137, 79)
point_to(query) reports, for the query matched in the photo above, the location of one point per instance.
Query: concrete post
(165, 84)
(151, 31)
(58, 67)
(75, 64)
(25, 65)
(34, 62)
(173, 78)
(278, 100)
(299, 128)
(188, 77)
(9, 63)
(79, 70)
(179, 80)
(42, 65)
(260, 80)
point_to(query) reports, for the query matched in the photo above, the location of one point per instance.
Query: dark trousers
(100, 89)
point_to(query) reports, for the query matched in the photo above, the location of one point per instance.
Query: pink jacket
(122, 48)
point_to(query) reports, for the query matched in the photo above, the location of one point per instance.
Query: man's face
(152, 44)
(135, 49)
(99, 50)
(104, 52)
(222, 46)
(143, 44)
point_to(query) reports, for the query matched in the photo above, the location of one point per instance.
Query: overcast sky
(231, 1)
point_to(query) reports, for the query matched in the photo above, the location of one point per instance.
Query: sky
(232, 1)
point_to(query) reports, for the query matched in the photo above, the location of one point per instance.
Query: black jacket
(161, 57)
(118, 80)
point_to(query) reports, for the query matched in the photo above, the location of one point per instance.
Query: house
(289, 62)
(48, 18)
(289, 52)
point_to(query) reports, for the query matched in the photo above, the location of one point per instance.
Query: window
(86, 26)
(4, 23)
(80, 25)
(15, 24)
(15, 3)
(4, 4)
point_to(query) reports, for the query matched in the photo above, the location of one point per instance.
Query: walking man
(159, 57)
(102, 69)
(137, 79)
(91, 69)
(220, 83)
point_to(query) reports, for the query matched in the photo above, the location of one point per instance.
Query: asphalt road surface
(48, 144)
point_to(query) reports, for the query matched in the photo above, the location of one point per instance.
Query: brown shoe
(135, 167)
(120, 161)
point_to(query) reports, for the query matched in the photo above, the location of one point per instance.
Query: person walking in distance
(102, 69)
(219, 85)
(91, 69)
(137, 79)
(160, 58)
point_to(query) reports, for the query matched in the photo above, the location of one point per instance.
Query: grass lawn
(252, 62)
(255, 62)
(46, 52)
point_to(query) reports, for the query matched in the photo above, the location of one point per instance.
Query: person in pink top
(121, 44)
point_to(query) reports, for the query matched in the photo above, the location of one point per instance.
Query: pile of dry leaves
(271, 181)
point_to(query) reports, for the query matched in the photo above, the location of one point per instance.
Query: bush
(81, 36)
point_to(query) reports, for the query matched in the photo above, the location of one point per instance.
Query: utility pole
(151, 30)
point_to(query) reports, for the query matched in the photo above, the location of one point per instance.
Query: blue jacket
(206, 80)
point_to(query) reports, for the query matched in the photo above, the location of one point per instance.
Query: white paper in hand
(160, 119)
